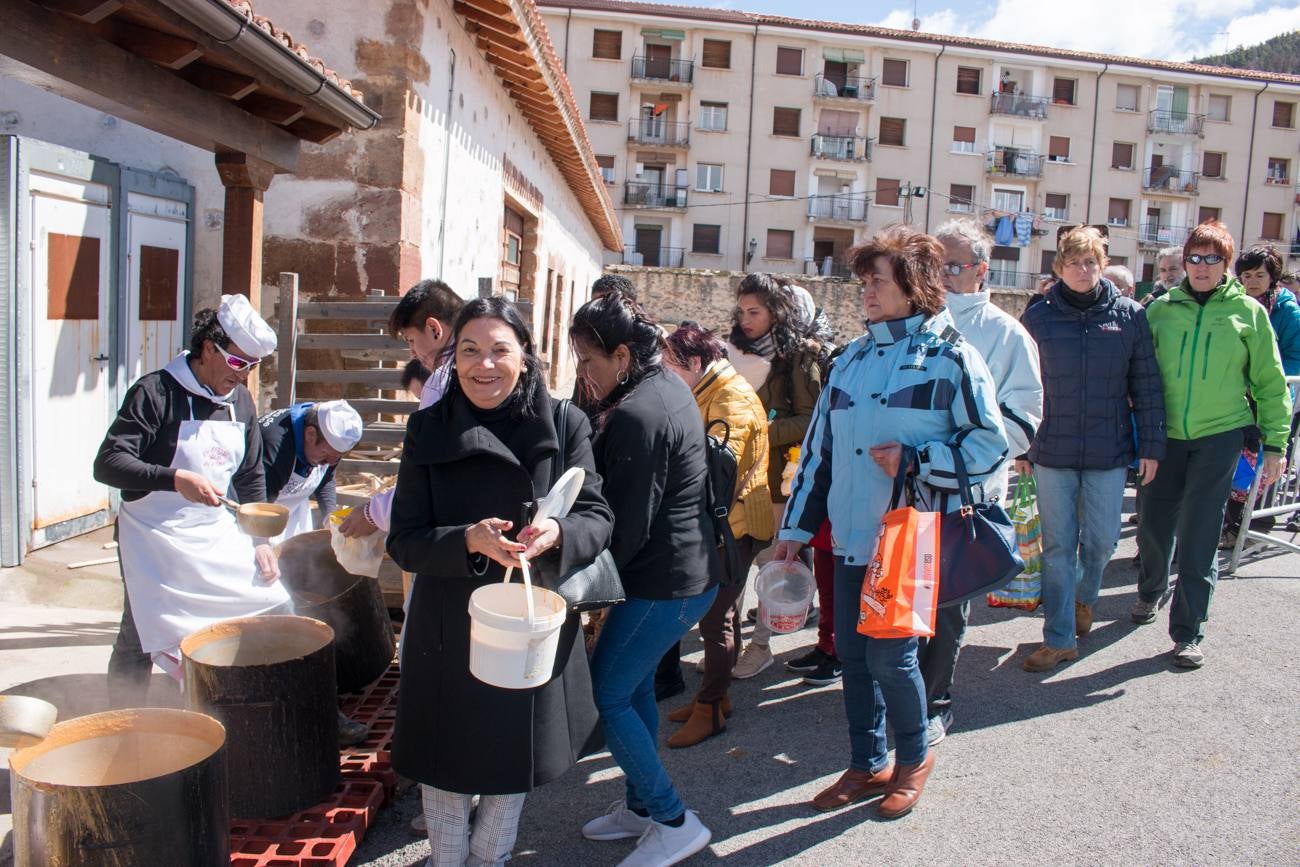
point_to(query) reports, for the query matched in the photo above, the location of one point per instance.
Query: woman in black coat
(471, 464)
(651, 453)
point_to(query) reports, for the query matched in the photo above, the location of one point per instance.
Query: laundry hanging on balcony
(1004, 232)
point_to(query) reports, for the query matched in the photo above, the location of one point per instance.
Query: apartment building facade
(732, 140)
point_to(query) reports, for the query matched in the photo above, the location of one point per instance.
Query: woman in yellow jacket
(699, 358)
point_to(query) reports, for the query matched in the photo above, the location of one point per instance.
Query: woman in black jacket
(471, 464)
(650, 450)
(1099, 372)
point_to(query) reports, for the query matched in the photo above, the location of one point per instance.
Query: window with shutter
(961, 198)
(968, 80)
(1121, 155)
(604, 106)
(1279, 171)
(1118, 212)
(1212, 165)
(1056, 206)
(780, 183)
(780, 244)
(1283, 114)
(1005, 254)
(785, 121)
(1220, 108)
(1206, 213)
(892, 130)
(789, 61)
(963, 139)
(1118, 260)
(1046, 259)
(1063, 91)
(1272, 230)
(1058, 149)
(893, 73)
(606, 164)
(1126, 97)
(607, 44)
(716, 54)
(705, 238)
(887, 190)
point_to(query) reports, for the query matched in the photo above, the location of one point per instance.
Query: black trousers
(938, 657)
(129, 667)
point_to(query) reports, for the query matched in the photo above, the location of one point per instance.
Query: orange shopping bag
(900, 594)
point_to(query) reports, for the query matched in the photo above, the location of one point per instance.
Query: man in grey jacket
(1012, 358)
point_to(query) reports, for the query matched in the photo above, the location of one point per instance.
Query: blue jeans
(1079, 512)
(635, 636)
(881, 677)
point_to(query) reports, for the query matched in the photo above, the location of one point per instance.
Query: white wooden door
(71, 255)
(155, 283)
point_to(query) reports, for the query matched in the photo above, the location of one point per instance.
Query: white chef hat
(244, 327)
(340, 424)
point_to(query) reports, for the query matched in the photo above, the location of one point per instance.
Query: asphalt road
(1117, 758)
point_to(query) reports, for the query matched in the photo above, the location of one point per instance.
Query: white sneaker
(755, 659)
(662, 845)
(619, 823)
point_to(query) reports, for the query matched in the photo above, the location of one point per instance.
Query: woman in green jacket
(1214, 345)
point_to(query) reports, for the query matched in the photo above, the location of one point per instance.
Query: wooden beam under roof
(506, 43)
(277, 111)
(89, 11)
(165, 49)
(494, 7)
(313, 130)
(214, 79)
(526, 72)
(74, 63)
(487, 19)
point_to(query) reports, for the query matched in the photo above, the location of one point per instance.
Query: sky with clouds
(1158, 29)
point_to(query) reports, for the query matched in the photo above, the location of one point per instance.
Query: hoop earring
(622, 377)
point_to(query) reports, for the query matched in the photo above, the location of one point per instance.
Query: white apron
(188, 565)
(296, 496)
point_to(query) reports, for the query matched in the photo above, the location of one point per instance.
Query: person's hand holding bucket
(487, 537)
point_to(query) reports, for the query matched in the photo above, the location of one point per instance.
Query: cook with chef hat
(301, 444)
(185, 437)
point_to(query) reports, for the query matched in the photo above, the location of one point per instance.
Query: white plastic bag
(358, 556)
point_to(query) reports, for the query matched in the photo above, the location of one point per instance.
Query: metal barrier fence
(1280, 501)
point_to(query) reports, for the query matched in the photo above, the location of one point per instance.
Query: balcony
(1000, 279)
(1014, 162)
(1162, 235)
(1174, 122)
(1170, 181)
(654, 257)
(841, 147)
(845, 207)
(639, 194)
(663, 69)
(851, 87)
(1020, 105)
(827, 266)
(659, 132)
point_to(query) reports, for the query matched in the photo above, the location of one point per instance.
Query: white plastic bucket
(512, 643)
(785, 592)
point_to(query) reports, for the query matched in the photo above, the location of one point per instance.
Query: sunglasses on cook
(234, 362)
(1208, 259)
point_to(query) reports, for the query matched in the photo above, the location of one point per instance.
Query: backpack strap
(562, 437)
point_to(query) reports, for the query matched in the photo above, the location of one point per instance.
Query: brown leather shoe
(905, 788)
(853, 786)
(1082, 619)
(706, 720)
(1046, 658)
(683, 713)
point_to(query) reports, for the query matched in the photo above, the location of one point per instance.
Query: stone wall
(674, 294)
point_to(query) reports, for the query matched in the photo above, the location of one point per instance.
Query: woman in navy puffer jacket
(1099, 371)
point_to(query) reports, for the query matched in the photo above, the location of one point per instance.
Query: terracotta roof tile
(752, 18)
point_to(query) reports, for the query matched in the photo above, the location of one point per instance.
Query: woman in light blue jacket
(906, 393)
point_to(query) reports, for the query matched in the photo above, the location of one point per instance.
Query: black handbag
(596, 585)
(977, 546)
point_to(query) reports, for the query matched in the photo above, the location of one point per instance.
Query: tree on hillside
(1279, 54)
